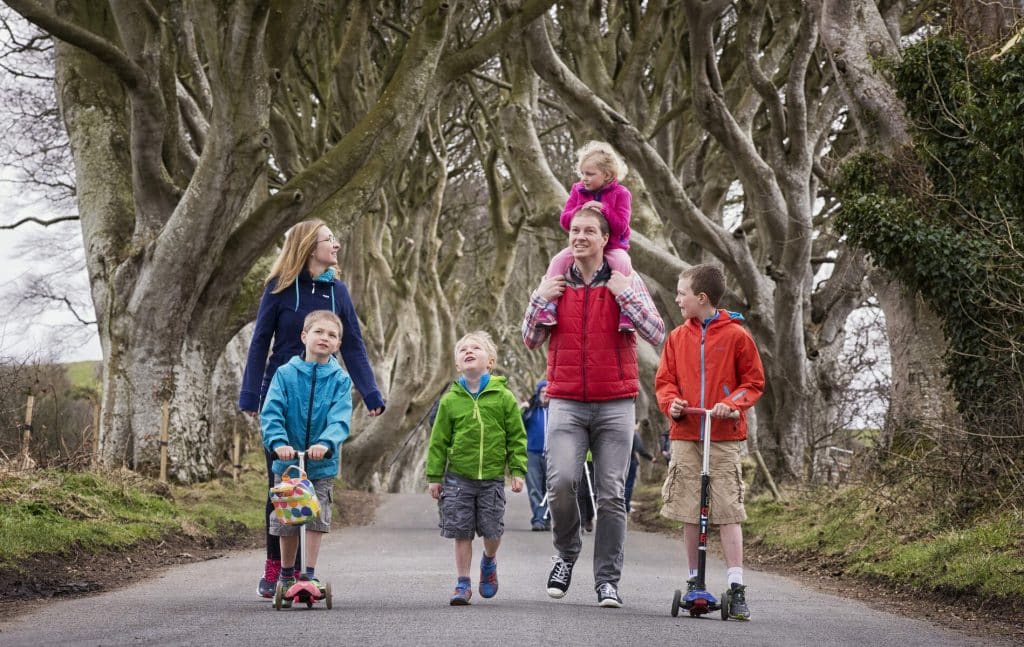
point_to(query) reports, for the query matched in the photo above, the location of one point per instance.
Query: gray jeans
(606, 429)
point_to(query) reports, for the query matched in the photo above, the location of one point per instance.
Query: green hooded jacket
(477, 438)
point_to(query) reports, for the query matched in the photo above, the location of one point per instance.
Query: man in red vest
(592, 384)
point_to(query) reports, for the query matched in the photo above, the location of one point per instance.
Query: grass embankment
(883, 536)
(50, 512)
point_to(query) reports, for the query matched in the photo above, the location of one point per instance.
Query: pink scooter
(304, 589)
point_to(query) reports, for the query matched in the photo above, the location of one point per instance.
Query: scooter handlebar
(696, 411)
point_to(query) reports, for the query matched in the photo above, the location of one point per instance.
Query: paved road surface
(391, 584)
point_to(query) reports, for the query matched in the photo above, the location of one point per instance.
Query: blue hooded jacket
(287, 406)
(535, 419)
(280, 318)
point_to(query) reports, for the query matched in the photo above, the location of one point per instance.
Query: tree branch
(131, 74)
(44, 223)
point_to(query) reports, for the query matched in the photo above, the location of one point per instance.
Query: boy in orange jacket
(710, 362)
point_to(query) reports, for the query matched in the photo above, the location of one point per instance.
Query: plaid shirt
(635, 302)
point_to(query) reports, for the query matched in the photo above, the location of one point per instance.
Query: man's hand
(721, 411)
(517, 483)
(435, 490)
(676, 408)
(285, 452)
(316, 452)
(551, 288)
(618, 283)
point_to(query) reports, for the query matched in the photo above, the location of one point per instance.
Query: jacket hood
(725, 318)
(322, 370)
(493, 383)
(540, 385)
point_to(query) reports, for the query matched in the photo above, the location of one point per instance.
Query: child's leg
(618, 260)
(691, 535)
(732, 547)
(490, 547)
(313, 540)
(561, 263)
(463, 556)
(289, 550)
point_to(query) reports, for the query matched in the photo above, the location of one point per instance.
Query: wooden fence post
(95, 433)
(164, 420)
(236, 457)
(25, 461)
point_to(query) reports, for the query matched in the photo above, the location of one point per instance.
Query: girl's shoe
(626, 324)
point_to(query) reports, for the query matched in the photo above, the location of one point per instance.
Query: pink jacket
(615, 202)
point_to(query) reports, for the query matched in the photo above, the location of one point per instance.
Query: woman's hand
(373, 413)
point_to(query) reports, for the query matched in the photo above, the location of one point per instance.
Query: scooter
(304, 590)
(699, 601)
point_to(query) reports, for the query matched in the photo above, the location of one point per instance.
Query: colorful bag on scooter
(294, 499)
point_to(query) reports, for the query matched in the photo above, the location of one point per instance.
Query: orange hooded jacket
(708, 365)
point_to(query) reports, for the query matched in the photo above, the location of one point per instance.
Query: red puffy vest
(588, 358)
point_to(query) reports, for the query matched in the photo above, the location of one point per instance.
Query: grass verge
(56, 512)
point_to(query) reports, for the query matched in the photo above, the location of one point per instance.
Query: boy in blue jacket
(308, 408)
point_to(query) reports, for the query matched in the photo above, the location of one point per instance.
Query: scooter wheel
(327, 595)
(676, 597)
(726, 604)
(278, 596)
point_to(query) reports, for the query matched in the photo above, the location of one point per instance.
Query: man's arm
(636, 303)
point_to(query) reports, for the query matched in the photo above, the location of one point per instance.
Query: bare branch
(44, 223)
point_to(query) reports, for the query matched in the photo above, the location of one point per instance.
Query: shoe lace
(273, 570)
(738, 595)
(606, 590)
(562, 571)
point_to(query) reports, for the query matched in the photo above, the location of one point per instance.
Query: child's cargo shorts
(324, 494)
(469, 507)
(681, 491)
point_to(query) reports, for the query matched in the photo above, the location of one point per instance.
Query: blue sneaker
(488, 577)
(463, 592)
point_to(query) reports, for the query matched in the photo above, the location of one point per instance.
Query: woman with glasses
(304, 278)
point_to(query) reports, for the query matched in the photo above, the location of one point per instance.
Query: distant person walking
(535, 419)
(303, 278)
(593, 383)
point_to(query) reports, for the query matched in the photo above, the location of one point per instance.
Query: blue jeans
(536, 479)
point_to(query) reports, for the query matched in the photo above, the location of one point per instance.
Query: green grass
(84, 375)
(50, 511)
(869, 534)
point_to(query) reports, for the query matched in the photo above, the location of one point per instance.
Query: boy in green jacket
(477, 433)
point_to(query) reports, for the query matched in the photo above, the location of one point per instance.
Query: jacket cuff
(248, 401)
(373, 400)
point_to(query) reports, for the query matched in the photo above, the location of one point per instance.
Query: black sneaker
(560, 577)
(738, 603)
(691, 584)
(608, 596)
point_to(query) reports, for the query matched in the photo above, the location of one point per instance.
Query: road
(391, 585)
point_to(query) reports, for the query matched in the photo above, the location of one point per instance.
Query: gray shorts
(469, 507)
(324, 494)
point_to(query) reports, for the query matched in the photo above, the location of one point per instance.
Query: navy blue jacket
(280, 318)
(535, 419)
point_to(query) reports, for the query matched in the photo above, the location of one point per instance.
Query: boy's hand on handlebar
(677, 408)
(517, 483)
(435, 490)
(316, 452)
(721, 411)
(285, 452)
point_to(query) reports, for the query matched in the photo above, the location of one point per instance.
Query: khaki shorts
(324, 494)
(681, 491)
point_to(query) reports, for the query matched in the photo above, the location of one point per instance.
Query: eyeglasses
(330, 239)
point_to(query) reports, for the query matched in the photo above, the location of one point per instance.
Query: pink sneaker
(547, 318)
(626, 324)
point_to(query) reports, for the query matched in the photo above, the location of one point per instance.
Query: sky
(28, 251)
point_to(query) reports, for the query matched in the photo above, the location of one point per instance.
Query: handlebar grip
(734, 415)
